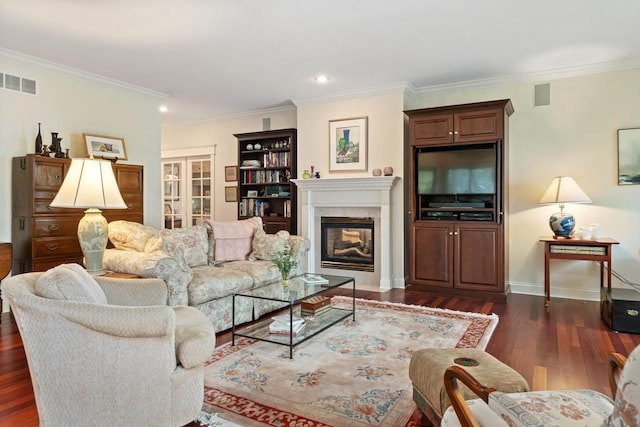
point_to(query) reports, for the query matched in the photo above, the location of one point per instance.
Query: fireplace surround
(349, 197)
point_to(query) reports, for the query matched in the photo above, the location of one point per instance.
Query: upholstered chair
(545, 408)
(109, 352)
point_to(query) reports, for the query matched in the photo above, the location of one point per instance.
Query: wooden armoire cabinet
(44, 236)
(457, 197)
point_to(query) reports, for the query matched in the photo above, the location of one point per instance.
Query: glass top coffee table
(284, 301)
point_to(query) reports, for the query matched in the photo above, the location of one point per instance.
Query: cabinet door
(478, 126)
(432, 129)
(478, 256)
(431, 261)
(49, 173)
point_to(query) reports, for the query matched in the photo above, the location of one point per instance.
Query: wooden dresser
(43, 236)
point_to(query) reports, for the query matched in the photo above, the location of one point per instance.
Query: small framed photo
(628, 156)
(231, 194)
(106, 147)
(230, 173)
(252, 193)
(348, 144)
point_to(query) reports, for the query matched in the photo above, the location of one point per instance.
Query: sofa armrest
(299, 246)
(133, 292)
(157, 264)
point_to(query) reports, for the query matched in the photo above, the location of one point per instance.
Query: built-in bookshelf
(267, 163)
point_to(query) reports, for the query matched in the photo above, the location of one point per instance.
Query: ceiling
(218, 58)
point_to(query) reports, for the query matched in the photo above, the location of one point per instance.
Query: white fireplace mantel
(363, 192)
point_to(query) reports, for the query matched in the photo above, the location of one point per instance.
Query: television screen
(470, 171)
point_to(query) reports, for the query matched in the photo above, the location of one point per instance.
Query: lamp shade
(564, 189)
(90, 183)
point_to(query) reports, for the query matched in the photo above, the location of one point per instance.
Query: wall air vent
(29, 86)
(11, 82)
(18, 84)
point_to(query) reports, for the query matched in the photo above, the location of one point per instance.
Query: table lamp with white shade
(563, 189)
(90, 183)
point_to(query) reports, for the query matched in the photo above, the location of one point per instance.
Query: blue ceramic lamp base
(562, 225)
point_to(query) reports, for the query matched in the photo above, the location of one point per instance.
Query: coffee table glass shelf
(280, 299)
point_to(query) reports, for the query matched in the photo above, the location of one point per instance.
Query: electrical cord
(618, 276)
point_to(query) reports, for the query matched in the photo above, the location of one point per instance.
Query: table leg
(233, 320)
(547, 290)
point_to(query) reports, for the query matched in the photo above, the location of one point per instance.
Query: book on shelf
(312, 279)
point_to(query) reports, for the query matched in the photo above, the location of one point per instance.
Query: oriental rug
(352, 374)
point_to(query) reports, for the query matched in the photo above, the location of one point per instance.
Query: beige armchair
(109, 352)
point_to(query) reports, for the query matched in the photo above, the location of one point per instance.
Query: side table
(5, 265)
(576, 249)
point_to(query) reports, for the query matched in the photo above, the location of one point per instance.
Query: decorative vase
(377, 172)
(285, 285)
(306, 174)
(39, 141)
(388, 171)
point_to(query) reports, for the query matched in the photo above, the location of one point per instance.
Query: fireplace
(347, 243)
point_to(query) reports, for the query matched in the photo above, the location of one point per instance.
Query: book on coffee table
(282, 326)
(312, 279)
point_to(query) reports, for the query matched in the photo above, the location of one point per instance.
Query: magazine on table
(283, 325)
(313, 279)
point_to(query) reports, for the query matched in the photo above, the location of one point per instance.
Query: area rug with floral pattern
(353, 374)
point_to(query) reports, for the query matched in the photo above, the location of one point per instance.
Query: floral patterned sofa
(205, 265)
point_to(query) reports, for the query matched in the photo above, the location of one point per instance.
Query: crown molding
(358, 93)
(553, 74)
(79, 73)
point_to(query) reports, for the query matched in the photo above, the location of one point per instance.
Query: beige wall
(70, 105)
(385, 148)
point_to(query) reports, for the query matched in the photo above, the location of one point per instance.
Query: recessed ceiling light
(321, 78)
(163, 108)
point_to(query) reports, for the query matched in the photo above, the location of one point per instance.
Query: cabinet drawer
(273, 224)
(41, 206)
(133, 201)
(44, 264)
(55, 227)
(129, 178)
(56, 246)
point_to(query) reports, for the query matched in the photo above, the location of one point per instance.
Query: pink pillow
(233, 240)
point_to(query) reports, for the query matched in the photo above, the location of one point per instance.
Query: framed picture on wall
(231, 194)
(348, 144)
(628, 156)
(106, 147)
(230, 173)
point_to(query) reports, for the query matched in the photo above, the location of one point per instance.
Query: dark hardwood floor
(566, 347)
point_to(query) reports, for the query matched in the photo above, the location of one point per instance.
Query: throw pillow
(130, 236)
(70, 282)
(265, 246)
(187, 244)
(233, 239)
